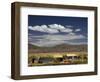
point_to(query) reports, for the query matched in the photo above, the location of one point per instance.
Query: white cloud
(71, 33)
(56, 26)
(36, 28)
(60, 27)
(47, 43)
(52, 40)
(52, 28)
(67, 30)
(62, 37)
(77, 30)
(43, 28)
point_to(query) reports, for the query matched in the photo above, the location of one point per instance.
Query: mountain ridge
(58, 48)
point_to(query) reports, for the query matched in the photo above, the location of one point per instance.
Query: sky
(49, 31)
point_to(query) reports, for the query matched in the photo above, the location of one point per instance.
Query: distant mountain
(30, 46)
(58, 48)
(69, 45)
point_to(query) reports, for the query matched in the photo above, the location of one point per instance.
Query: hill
(58, 48)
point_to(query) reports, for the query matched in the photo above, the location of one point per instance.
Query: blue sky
(55, 30)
